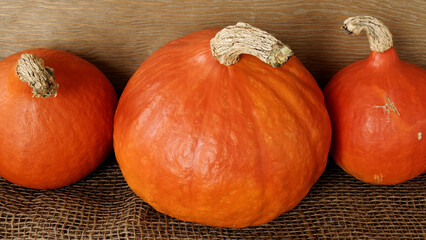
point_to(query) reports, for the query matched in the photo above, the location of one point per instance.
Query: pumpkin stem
(379, 36)
(31, 69)
(243, 38)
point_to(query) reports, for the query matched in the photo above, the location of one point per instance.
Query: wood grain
(118, 35)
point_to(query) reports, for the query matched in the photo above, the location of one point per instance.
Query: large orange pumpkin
(378, 111)
(229, 146)
(61, 134)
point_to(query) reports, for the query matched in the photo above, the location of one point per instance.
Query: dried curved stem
(379, 36)
(243, 38)
(31, 69)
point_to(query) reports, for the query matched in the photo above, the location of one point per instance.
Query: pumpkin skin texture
(223, 146)
(52, 142)
(378, 111)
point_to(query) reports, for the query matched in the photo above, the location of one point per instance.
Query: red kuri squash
(62, 134)
(233, 143)
(378, 111)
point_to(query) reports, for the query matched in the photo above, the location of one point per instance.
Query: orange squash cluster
(221, 127)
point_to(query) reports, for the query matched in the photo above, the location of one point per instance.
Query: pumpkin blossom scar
(388, 107)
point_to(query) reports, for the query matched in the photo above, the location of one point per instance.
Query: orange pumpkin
(229, 146)
(378, 111)
(62, 134)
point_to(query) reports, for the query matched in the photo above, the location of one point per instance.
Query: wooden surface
(118, 35)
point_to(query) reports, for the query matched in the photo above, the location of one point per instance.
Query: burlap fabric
(102, 206)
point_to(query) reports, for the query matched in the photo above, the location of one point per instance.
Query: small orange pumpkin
(62, 134)
(229, 146)
(378, 111)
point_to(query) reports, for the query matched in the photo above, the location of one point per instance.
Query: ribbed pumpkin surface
(223, 146)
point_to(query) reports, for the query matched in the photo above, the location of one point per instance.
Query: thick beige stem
(243, 38)
(379, 36)
(31, 69)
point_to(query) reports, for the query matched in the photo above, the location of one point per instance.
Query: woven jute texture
(102, 206)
